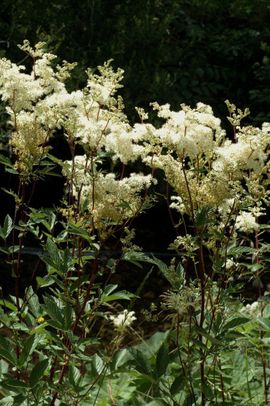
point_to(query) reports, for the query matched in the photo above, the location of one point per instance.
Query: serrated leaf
(33, 302)
(14, 383)
(7, 401)
(202, 216)
(8, 356)
(177, 385)
(142, 363)
(76, 229)
(121, 358)
(264, 322)
(235, 322)
(55, 324)
(97, 363)
(7, 227)
(19, 400)
(122, 295)
(8, 305)
(68, 312)
(43, 282)
(151, 346)
(6, 161)
(28, 348)
(52, 309)
(136, 257)
(54, 258)
(38, 371)
(234, 251)
(205, 334)
(207, 390)
(162, 359)
(73, 375)
(109, 289)
(7, 351)
(75, 379)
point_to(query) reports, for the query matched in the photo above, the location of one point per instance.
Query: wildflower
(246, 222)
(253, 309)
(123, 319)
(115, 200)
(230, 264)
(40, 319)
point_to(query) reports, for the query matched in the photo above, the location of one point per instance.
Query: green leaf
(264, 322)
(98, 364)
(205, 334)
(33, 302)
(121, 358)
(46, 217)
(8, 305)
(122, 295)
(235, 251)
(38, 371)
(8, 356)
(177, 385)
(7, 351)
(151, 346)
(54, 312)
(76, 229)
(28, 348)
(202, 216)
(68, 313)
(55, 257)
(235, 322)
(57, 325)
(15, 385)
(109, 289)
(7, 401)
(162, 359)
(73, 375)
(7, 227)
(142, 363)
(6, 161)
(19, 400)
(207, 390)
(136, 257)
(75, 378)
(43, 282)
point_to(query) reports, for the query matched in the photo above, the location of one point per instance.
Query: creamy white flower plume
(123, 320)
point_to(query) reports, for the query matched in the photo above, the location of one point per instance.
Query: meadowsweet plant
(68, 339)
(97, 204)
(220, 190)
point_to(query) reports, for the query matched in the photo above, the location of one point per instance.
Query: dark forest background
(171, 50)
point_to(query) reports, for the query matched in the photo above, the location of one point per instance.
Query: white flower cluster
(254, 309)
(189, 132)
(205, 169)
(123, 320)
(107, 199)
(248, 153)
(246, 222)
(38, 103)
(187, 243)
(230, 264)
